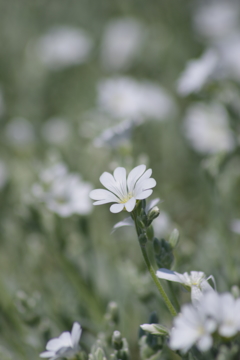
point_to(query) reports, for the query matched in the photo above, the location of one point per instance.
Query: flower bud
(152, 214)
(174, 238)
(117, 340)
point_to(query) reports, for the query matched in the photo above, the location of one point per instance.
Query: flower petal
(144, 185)
(47, 354)
(134, 175)
(110, 183)
(116, 208)
(76, 333)
(101, 194)
(66, 340)
(130, 205)
(120, 177)
(126, 222)
(143, 195)
(54, 344)
(168, 275)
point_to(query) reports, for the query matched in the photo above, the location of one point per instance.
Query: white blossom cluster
(62, 192)
(195, 325)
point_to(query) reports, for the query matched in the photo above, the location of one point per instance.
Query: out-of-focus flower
(63, 193)
(122, 40)
(162, 225)
(3, 174)
(124, 97)
(66, 345)
(196, 323)
(235, 226)
(56, 131)
(229, 51)
(196, 281)
(117, 135)
(124, 191)
(20, 132)
(191, 327)
(197, 73)
(216, 19)
(206, 127)
(64, 46)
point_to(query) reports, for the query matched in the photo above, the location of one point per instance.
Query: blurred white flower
(125, 97)
(20, 132)
(216, 19)
(56, 131)
(117, 135)
(206, 127)
(64, 46)
(197, 73)
(196, 281)
(235, 226)
(122, 40)
(196, 323)
(3, 174)
(62, 192)
(190, 327)
(124, 191)
(66, 345)
(229, 51)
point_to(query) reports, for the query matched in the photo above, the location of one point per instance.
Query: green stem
(157, 282)
(152, 272)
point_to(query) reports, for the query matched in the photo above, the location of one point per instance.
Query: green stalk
(152, 272)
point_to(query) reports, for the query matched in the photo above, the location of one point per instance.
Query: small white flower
(197, 73)
(124, 191)
(56, 131)
(66, 345)
(190, 327)
(64, 46)
(63, 193)
(20, 132)
(125, 97)
(206, 126)
(122, 40)
(196, 281)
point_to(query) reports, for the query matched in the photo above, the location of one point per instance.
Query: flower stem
(152, 271)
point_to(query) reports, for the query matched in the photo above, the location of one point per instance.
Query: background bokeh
(91, 85)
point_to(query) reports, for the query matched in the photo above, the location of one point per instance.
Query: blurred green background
(56, 270)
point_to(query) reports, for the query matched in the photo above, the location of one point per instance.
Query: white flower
(66, 345)
(125, 97)
(63, 193)
(56, 131)
(197, 73)
(216, 19)
(124, 191)
(20, 132)
(224, 310)
(206, 127)
(117, 135)
(122, 40)
(64, 46)
(190, 327)
(196, 280)
(229, 50)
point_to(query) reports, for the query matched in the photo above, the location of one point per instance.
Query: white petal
(205, 343)
(116, 208)
(66, 339)
(144, 185)
(143, 195)
(54, 344)
(47, 354)
(169, 275)
(130, 205)
(76, 333)
(101, 194)
(126, 222)
(101, 202)
(152, 203)
(196, 294)
(110, 183)
(120, 177)
(134, 175)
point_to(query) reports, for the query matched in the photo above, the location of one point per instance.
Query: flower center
(125, 199)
